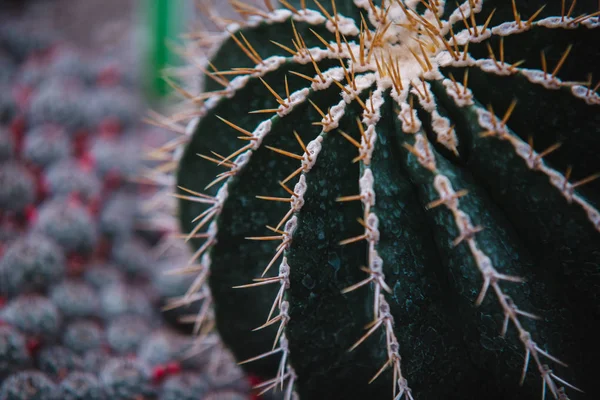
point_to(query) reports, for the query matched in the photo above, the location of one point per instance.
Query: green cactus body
(410, 210)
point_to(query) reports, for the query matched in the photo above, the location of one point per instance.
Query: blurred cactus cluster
(82, 269)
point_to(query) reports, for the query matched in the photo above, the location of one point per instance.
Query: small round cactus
(186, 386)
(118, 216)
(22, 40)
(121, 299)
(82, 336)
(111, 106)
(133, 257)
(17, 187)
(68, 178)
(124, 379)
(57, 101)
(33, 315)
(81, 386)
(46, 144)
(100, 275)
(14, 354)
(75, 299)
(95, 360)
(31, 263)
(124, 334)
(399, 198)
(69, 223)
(163, 347)
(58, 361)
(29, 385)
(119, 158)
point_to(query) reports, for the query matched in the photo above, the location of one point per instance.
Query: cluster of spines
(389, 72)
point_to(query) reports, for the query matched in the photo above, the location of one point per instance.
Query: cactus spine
(469, 161)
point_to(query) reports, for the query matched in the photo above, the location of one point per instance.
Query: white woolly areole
(346, 26)
(317, 54)
(205, 260)
(290, 226)
(465, 7)
(367, 146)
(509, 28)
(540, 78)
(299, 190)
(425, 157)
(370, 117)
(557, 22)
(212, 233)
(336, 112)
(222, 194)
(313, 149)
(464, 60)
(311, 17)
(295, 98)
(212, 102)
(462, 96)
(362, 83)
(241, 161)
(365, 183)
(260, 132)
(280, 15)
(586, 94)
(410, 122)
(445, 133)
(284, 272)
(425, 97)
(375, 261)
(489, 122)
(236, 84)
(444, 188)
(272, 63)
(502, 69)
(190, 128)
(444, 58)
(332, 74)
(372, 230)
(463, 37)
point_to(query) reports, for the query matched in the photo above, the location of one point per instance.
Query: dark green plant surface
(464, 140)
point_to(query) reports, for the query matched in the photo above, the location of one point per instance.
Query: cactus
(13, 351)
(82, 336)
(68, 178)
(58, 361)
(32, 262)
(125, 379)
(426, 173)
(75, 299)
(68, 223)
(33, 315)
(29, 385)
(124, 333)
(17, 187)
(46, 144)
(81, 386)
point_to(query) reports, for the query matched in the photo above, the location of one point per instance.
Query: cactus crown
(426, 174)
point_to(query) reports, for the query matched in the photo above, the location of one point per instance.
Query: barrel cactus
(410, 207)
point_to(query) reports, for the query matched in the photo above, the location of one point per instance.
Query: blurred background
(90, 304)
(136, 32)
